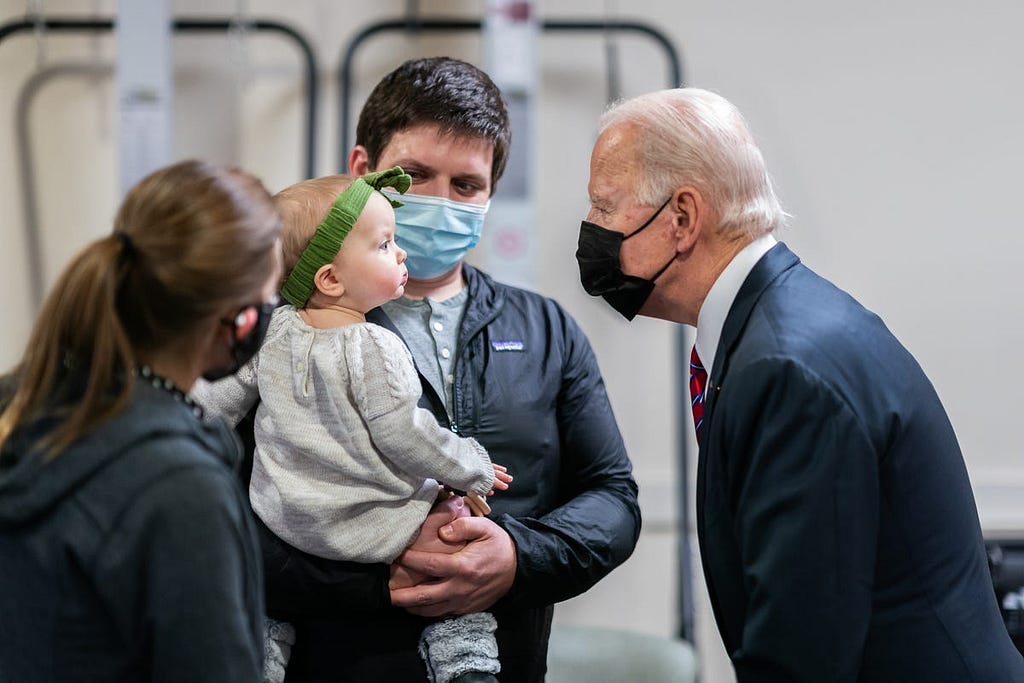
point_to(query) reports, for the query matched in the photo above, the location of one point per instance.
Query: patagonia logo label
(507, 345)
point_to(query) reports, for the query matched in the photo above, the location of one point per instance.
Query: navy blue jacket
(131, 556)
(527, 386)
(838, 530)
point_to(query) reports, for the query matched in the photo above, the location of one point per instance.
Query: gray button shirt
(431, 329)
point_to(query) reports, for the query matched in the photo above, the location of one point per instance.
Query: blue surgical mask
(435, 232)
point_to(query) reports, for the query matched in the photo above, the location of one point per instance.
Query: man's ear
(690, 216)
(358, 161)
(327, 282)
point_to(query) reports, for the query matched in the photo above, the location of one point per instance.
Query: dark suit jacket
(838, 530)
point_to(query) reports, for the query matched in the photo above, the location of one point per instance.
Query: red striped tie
(698, 378)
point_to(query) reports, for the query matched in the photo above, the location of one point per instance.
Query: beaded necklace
(146, 373)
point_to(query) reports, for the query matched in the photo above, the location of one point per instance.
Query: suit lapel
(777, 260)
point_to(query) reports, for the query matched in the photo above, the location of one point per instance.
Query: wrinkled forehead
(613, 162)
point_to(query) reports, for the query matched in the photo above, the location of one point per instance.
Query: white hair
(695, 137)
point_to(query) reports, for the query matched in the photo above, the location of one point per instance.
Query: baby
(346, 464)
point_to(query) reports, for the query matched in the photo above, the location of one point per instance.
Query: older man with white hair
(839, 534)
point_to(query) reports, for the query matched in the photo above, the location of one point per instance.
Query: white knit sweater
(346, 465)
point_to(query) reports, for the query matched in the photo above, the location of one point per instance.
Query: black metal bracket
(190, 25)
(441, 25)
(185, 25)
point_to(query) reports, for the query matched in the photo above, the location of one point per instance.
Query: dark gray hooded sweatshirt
(132, 555)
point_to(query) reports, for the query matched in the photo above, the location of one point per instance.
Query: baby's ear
(327, 282)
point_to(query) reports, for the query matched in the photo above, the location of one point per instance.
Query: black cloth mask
(601, 272)
(242, 350)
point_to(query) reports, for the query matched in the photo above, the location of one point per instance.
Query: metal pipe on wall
(440, 25)
(184, 25)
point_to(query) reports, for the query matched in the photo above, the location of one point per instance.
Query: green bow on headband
(335, 226)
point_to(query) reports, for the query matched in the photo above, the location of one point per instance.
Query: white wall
(892, 130)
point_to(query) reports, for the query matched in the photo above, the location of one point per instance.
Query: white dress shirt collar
(712, 314)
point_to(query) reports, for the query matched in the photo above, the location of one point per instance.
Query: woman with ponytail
(127, 551)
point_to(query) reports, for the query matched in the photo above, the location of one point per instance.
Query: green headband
(335, 226)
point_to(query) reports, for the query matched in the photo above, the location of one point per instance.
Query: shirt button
(451, 379)
(438, 327)
(445, 353)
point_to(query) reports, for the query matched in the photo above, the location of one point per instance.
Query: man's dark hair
(460, 98)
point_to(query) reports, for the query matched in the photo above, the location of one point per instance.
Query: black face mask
(242, 350)
(601, 273)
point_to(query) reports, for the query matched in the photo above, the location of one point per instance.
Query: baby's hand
(477, 503)
(501, 479)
